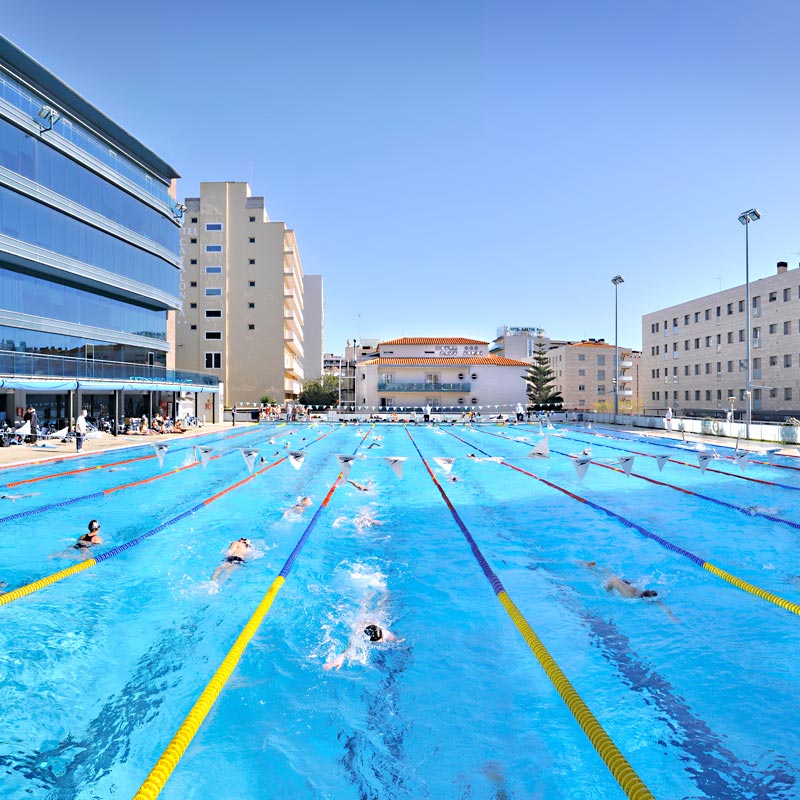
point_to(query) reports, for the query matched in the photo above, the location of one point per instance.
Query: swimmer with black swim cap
(374, 635)
(234, 556)
(90, 538)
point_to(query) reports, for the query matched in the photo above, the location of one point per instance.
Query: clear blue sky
(452, 166)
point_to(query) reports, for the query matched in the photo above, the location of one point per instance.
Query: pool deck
(55, 449)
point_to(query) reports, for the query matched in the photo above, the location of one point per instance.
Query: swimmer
(360, 486)
(14, 497)
(374, 444)
(91, 538)
(625, 588)
(235, 556)
(3, 585)
(372, 633)
(299, 507)
(365, 520)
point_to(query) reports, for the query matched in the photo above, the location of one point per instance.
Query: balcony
(626, 364)
(433, 388)
(625, 378)
(293, 342)
(626, 392)
(135, 376)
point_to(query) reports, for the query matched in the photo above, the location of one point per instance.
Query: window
(387, 377)
(773, 361)
(251, 305)
(773, 296)
(787, 360)
(741, 335)
(193, 283)
(686, 319)
(433, 377)
(251, 327)
(707, 317)
(708, 341)
(213, 248)
(697, 344)
(193, 327)
(252, 219)
(601, 389)
(787, 393)
(773, 328)
(697, 316)
(601, 374)
(741, 306)
(192, 241)
(708, 368)
(601, 361)
(696, 369)
(696, 394)
(730, 368)
(213, 312)
(773, 393)
(252, 240)
(251, 283)
(719, 311)
(192, 305)
(787, 328)
(581, 387)
(686, 370)
(213, 270)
(686, 344)
(674, 322)
(581, 357)
(252, 262)
(194, 220)
(708, 394)
(193, 261)
(686, 395)
(213, 334)
(581, 373)
(730, 337)
(213, 360)
(213, 226)
(729, 308)
(787, 295)
(213, 292)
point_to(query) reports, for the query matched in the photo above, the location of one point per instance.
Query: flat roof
(38, 77)
(432, 340)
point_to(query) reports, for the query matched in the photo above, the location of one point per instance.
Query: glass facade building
(89, 245)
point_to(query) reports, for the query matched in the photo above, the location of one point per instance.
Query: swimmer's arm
(667, 611)
(335, 663)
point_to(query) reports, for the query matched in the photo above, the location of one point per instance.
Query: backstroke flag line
(205, 454)
(345, 464)
(626, 462)
(161, 451)
(581, 465)
(661, 460)
(296, 458)
(396, 463)
(445, 463)
(542, 450)
(249, 457)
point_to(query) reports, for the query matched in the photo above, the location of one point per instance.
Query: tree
(540, 379)
(322, 391)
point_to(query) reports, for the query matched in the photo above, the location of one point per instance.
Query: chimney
(782, 267)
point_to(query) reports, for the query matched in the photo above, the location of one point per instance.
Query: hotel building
(585, 375)
(89, 256)
(314, 326)
(694, 353)
(242, 318)
(450, 373)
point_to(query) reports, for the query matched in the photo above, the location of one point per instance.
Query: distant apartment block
(519, 342)
(242, 292)
(314, 326)
(585, 375)
(694, 353)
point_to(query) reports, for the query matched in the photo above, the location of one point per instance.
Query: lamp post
(616, 280)
(746, 218)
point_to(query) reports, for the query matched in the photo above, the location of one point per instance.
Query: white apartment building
(314, 326)
(585, 374)
(449, 372)
(519, 342)
(242, 293)
(694, 353)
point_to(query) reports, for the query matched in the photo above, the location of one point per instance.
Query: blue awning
(40, 385)
(99, 386)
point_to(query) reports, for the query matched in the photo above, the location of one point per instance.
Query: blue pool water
(696, 689)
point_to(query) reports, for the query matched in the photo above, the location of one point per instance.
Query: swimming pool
(694, 688)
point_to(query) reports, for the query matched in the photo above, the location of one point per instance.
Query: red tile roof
(491, 361)
(432, 340)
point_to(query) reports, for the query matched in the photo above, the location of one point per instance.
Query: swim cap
(649, 593)
(94, 525)
(373, 633)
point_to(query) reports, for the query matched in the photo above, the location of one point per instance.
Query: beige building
(444, 373)
(585, 373)
(694, 353)
(314, 326)
(242, 293)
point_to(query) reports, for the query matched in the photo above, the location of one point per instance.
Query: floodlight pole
(746, 218)
(616, 280)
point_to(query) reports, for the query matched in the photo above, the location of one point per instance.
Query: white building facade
(444, 373)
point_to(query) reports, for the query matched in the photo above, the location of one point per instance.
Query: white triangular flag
(661, 460)
(703, 459)
(60, 434)
(542, 450)
(771, 451)
(161, 451)
(581, 465)
(249, 457)
(741, 460)
(626, 462)
(296, 458)
(23, 430)
(205, 454)
(345, 464)
(445, 463)
(396, 463)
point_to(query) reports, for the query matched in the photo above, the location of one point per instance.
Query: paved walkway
(18, 455)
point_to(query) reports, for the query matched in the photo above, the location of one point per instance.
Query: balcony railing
(35, 365)
(424, 387)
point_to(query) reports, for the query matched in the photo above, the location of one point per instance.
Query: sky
(451, 167)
